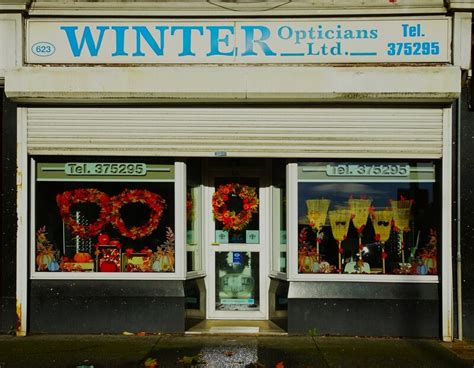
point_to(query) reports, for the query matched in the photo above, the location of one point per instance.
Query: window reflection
(104, 223)
(368, 224)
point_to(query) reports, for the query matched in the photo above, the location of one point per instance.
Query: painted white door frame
(263, 247)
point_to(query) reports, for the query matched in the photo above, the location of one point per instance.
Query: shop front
(308, 182)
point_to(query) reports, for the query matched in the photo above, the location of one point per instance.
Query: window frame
(292, 266)
(179, 230)
(202, 271)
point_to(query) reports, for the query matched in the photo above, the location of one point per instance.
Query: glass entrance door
(237, 246)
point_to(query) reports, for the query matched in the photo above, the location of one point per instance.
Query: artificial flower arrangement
(84, 195)
(108, 254)
(162, 260)
(426, 260)
(429, 254)
(230, 219)
(137, 261)
(46, 254)
(110, 211)
(154, 201)
(81, 262)
(385, 222)
(309, 261)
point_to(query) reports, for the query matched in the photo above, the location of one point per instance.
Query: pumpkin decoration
(44, 259)
(45, 252)
(163, 259)
(156, 265)
(103, 239)
(307, 264)
(53, 266)
(167, 261)
(82, 257)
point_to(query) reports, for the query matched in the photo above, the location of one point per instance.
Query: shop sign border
(239, 41)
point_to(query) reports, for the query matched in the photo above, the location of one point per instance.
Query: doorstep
(236, 327)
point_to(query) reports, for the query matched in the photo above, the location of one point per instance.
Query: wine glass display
(317, 213)
(340, 220)
(401, 218)
(382, 221)
(360, 212)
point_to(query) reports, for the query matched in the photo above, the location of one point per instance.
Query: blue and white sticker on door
(237, 258)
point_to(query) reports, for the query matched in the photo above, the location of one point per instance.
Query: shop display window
(368, 218)
(104, 217)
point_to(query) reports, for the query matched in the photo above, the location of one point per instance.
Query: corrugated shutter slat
(249, 132)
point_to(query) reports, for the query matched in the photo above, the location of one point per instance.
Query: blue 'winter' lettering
(120, 40)
(250, 40)
(87, 38)
(215, 35)
(142, 31)
(187, 30)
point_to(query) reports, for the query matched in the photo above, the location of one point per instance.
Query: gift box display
(108, 258)
(136, 262)
(67, 266)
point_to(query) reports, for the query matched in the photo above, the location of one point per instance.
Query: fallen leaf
(151, 363)
(255, 365)
(280, 365)
(141, 333)
(229, 353)
(191, 360)
(126, 333)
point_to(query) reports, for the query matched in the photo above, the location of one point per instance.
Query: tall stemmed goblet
(382, 221)
(340, 220)
(317, 213)
(360, 212)
(401, 219)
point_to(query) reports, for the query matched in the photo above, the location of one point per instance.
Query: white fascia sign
(155, 41)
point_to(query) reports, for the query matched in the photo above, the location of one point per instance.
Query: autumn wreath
(230, 219)
(84, 195)
(154, 201)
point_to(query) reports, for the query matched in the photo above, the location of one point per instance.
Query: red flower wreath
(230, 219)
(152, 200)
(83, 195)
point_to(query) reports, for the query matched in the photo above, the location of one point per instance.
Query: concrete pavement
(151, 351)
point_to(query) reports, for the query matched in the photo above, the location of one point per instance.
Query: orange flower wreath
(230, 219)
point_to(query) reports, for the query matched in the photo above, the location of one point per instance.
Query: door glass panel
(237, 281)
(235, 206)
